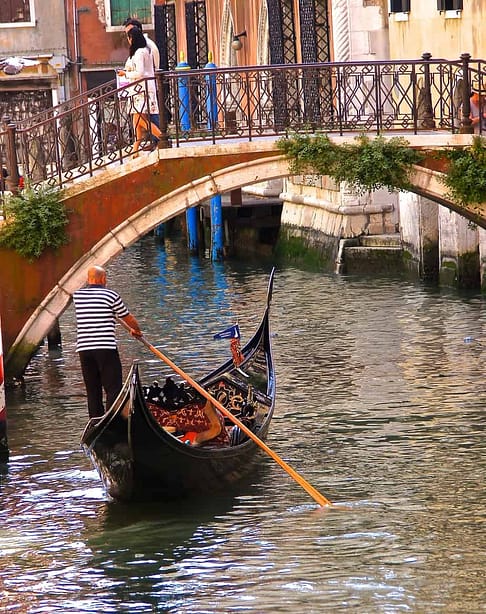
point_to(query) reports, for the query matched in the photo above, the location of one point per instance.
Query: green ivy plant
(367, 164)
(34, 221)
(466, 175)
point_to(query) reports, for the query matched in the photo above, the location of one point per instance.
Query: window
(449, 5)
(118, 10)
(399, 6)
(15, 11)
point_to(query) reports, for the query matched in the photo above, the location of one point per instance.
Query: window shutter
(120, 10)
(275, 32)
(14, 11)
(138, 9)
(141, 10)
(399, 6)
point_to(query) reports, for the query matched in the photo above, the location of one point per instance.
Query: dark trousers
(101, 370)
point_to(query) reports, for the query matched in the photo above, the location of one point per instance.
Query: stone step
(389, 240)
(371, 254)
(373, 260)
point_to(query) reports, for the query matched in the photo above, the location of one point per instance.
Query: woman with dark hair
(140, 65)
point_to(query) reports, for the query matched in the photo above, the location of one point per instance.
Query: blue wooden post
(192, 234)
(217, 235)
(3, 409)
(184, 95)
(159, 232)
(211, 101)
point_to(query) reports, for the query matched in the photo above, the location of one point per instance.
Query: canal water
(381, 407)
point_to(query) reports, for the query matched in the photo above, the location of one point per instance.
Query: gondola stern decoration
(233, 334)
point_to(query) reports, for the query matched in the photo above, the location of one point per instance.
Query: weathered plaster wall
(359, 30)
(318, 204)
(429, 30)
(47, 36)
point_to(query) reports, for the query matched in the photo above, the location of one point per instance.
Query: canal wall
(419, 231)
(441, 245)
(319, 216)
(321, 220)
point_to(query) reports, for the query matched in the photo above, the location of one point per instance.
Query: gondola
(138, 459)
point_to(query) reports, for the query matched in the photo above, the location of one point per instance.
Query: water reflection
(380, 406)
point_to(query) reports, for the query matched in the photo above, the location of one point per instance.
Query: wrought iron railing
(94, 130)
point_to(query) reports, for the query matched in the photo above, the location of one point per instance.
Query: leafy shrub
(466, 176)
(368, 164)
(34, 221)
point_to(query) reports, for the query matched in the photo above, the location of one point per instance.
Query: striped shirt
(96, 308)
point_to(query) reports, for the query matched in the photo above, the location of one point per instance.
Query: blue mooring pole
(3, 409)
(217, 235)
(159, 232)
(184, 95)
(185, 119)
(211, 101)
(192, 235)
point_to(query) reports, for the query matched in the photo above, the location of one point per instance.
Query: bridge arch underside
(123, 236)
(426, 183)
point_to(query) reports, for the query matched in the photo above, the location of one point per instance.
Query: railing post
(163, 96)
(13, 177)
(428, 111)
(466, 126)
(87, 154)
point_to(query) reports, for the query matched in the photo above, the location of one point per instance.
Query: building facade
(84, 40)
(444, 28)
(33, 48)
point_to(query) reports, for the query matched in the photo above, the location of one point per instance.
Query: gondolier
(140, 457)
(97, 308)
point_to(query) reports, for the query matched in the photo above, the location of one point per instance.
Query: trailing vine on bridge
(34, 221)
(466, 175)
(367, 164)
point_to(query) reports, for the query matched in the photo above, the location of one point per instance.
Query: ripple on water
(380, 407)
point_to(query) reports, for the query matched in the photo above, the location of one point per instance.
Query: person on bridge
(130, 23)
(140, 65)
(97, 308)
(478, 114)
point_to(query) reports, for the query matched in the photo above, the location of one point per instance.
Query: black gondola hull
(138, 460)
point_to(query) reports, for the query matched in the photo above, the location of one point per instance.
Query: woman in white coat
(140, 65)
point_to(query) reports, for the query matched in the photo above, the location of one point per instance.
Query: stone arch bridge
(114, 208)
(85, 147)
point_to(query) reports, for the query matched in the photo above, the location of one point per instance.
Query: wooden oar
(315, 494)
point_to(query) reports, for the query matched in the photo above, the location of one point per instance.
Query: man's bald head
(96, 275)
